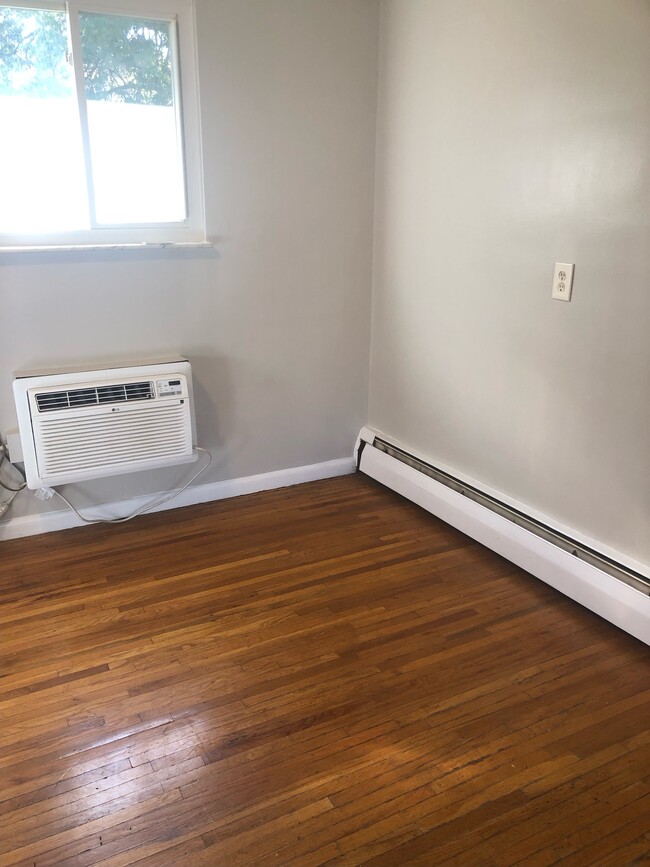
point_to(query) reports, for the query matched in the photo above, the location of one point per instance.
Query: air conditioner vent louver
(103, 394)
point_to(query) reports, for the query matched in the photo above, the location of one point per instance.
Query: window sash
(179, 14)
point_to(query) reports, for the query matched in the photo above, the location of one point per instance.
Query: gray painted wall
(514, 134)
(276, 320)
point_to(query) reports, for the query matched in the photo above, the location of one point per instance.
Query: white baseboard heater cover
(103, 421)
(614, 592)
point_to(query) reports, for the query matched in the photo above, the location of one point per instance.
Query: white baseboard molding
(608, 597)
(64, 519)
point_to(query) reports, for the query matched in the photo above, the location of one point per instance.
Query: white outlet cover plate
(562, 281)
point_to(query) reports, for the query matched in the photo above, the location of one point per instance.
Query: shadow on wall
(213, 402)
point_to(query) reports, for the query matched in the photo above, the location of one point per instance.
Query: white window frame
(191, 230)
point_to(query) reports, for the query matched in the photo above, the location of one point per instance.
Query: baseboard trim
(64, 519)
(620, 604)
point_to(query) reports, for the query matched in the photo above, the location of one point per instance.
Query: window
(99, 139)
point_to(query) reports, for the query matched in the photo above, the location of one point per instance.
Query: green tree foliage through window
(33, 53)
(125, 59)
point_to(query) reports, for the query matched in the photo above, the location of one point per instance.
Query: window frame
(191, 230)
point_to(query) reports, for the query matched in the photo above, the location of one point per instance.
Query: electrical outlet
(562, 281)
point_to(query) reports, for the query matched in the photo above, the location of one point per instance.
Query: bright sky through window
(41, 154)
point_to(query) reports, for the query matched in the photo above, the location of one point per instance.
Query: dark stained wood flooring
(319, 675)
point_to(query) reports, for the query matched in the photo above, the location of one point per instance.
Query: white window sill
(87, 248)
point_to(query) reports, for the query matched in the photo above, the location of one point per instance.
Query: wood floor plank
(319, 675)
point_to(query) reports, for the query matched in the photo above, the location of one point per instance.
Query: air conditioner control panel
(169, 387)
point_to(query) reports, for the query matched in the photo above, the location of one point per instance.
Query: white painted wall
(514, 134)
(276, 320)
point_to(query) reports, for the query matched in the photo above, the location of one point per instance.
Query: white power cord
(144, 508)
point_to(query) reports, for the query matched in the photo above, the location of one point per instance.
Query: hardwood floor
(320, 675)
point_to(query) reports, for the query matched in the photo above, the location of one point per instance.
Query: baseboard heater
(611, 589)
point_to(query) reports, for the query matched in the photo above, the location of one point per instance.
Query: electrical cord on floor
(145, 508)
(4, 506)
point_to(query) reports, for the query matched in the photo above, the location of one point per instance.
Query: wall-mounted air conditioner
(83, 424)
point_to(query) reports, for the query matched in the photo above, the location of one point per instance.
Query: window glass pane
(132, 119)
(41, 157)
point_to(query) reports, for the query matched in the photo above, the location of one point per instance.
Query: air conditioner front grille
(103, 394)
(126, 438)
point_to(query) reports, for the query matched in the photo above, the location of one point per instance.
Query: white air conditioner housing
(83, 424)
